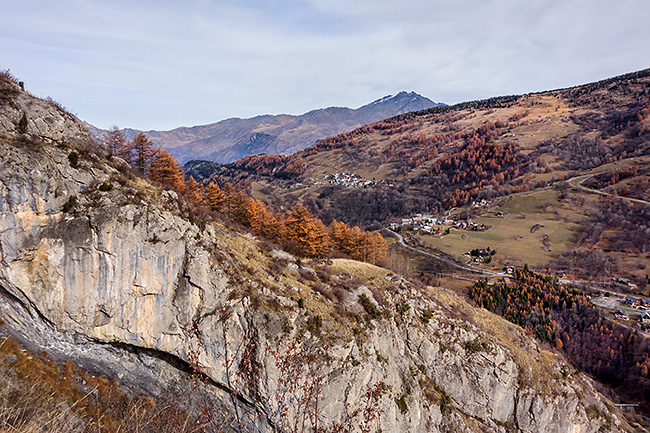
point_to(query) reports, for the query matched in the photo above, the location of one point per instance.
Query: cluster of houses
(480, 255)
(638, 303)
(480, 203)
(436, 226)
(622, 315)
(350, 180)
(624, 283)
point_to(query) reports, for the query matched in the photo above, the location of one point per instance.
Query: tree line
(297, 230)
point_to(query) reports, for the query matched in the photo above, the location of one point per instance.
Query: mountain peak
(231, 139)
(401, 96)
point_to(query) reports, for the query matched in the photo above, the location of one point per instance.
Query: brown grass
(39, 395)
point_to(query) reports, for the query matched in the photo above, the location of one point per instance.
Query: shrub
(426, 316)
(475, 346)
(278, 266)
(106, 186)
(403, 308)
(445, 400)
(73, 157)
(369, 306)
(22, 124)
(56, 104)
(401, 404)
(314, 324)
(8, 76)
(70, 204)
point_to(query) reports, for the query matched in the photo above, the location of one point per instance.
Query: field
(517, 231)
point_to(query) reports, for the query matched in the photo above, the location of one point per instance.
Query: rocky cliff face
(124, 284)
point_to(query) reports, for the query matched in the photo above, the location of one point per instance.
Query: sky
(161, 64)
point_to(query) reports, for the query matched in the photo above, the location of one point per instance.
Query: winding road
(457, 265)
(577, 182)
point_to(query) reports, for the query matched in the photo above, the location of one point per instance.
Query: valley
(222, 294)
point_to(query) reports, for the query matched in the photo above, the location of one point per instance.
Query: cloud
(163, 64)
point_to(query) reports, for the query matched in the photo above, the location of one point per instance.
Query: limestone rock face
(45, 120)
(125, 269)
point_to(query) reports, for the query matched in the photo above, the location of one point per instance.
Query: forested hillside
(448, 156)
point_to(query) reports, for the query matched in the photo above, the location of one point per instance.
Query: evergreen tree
(23, 124)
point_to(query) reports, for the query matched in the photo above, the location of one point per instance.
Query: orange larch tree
(214, 197)
(165, 169)
(194, 190)
(306, 232)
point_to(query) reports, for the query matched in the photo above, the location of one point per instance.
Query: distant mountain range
(231, 139)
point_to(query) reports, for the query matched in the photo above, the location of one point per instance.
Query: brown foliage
(142, 151)
(165, 170)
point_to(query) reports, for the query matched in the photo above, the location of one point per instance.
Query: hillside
(214, 327)
(231, 139)
(576, 147)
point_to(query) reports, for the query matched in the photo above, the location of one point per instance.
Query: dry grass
(361, 270)
(510, 234)
(39, 395)
(35, 408)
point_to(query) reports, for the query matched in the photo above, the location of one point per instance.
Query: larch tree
(259, 218)
(166, 170)
(143, 151)
(306, 232)
(115, 140)
(194, 190)
(214, 197)
(236, 204)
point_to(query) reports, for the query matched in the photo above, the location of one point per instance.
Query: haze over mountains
(231, 139)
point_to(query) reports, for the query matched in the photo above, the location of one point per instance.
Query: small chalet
(645, 318)
(621, 315)
(634, 301)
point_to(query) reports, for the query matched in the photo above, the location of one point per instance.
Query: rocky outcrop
(124, 284)
(46, 121)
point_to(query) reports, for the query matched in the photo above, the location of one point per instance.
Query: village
(351, 180)
(436, 226)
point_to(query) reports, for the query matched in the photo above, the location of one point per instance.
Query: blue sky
(163, 64)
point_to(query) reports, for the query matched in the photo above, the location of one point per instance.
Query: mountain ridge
(233, 138)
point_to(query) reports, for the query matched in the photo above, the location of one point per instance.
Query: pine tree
(143, 151)
(165, 169)
(23, 124)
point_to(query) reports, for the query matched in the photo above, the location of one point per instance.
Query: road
(577, 182)
(465, 268)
